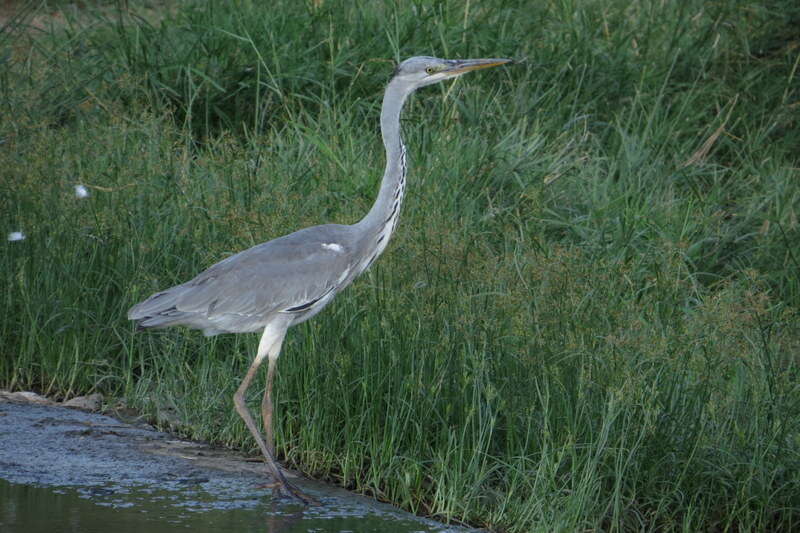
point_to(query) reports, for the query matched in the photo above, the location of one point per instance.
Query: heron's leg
(270, 341)
(266, 401)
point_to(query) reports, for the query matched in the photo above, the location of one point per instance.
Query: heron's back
(297, 274)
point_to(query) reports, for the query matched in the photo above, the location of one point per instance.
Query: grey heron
(288, 280)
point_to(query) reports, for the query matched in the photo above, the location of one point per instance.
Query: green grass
(587, 320)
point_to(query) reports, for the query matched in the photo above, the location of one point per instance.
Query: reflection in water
(278, 522)
(28, 509)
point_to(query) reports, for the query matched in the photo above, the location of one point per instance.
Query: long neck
(382, 217)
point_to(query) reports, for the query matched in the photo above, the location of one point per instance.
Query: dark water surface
(63, 470)
(28, 509)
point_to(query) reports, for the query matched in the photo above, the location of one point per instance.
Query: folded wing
(298, 273)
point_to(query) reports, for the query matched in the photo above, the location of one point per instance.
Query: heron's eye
(430, 70)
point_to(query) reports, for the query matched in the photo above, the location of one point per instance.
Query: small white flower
(81, 191)
(16, 236)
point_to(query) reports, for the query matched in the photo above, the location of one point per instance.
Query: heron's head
(422, 70)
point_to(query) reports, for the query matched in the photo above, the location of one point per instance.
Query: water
(63, 470)
(30, 509)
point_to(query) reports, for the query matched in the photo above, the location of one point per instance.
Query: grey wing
(296, 274)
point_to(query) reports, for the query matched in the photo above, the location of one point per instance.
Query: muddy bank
(77, 459)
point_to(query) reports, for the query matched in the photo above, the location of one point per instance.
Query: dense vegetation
(587, 320)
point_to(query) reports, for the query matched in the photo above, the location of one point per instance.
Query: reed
(587, 319)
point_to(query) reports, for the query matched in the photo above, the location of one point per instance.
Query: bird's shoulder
(283, 273)
(307, 261)
(317, 245)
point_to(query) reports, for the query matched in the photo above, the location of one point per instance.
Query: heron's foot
(285, 489)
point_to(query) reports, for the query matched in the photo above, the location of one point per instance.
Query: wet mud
(68, 470)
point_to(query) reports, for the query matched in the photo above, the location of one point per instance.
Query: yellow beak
(465, 65)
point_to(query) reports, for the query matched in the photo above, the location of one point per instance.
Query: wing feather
(284, 274)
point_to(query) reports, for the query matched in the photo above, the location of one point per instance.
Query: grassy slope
(587, 319)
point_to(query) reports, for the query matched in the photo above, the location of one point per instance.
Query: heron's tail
(173, 307)
(161, 310)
